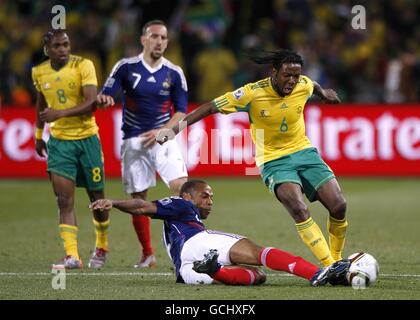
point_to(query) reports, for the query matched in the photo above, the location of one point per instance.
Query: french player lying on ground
(204, 256)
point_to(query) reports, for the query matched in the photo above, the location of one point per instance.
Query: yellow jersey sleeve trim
(220, 102)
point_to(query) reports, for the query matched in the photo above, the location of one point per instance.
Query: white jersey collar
(149, 68)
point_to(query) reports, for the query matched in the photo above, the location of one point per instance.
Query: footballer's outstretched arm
(200, 113)
(131, 206)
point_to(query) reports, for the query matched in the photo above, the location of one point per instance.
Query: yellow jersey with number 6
(62, 89)
(276, 122)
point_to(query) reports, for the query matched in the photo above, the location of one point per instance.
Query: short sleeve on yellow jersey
(235, 101)
(87, 71)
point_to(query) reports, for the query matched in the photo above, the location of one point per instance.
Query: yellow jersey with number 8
(276, 122)
(62, 89)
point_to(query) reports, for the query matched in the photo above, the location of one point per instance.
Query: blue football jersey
(181, 222)
(149, 94)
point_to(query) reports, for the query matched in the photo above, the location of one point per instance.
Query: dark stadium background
(360, 64)
(376, 66)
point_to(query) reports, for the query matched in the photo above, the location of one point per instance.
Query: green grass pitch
(383, 215)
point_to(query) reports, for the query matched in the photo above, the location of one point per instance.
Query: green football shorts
(304, 167)
(78, 160)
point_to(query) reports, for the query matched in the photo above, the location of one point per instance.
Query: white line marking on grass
(163, 274)
(152, 274)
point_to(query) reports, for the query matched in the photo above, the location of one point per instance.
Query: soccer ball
(363, 271)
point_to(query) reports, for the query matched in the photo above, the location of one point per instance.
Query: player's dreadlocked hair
(276, 58)
(47, 37)
(49, 34)
(189, 186)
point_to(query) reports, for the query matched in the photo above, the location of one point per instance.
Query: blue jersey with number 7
(149, 94)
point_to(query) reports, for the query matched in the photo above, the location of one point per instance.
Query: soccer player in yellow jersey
(66, 98)
(288, 163)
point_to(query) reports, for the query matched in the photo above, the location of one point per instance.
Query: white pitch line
(154, 274)
(164, 274)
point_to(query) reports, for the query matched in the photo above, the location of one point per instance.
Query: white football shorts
(139, 164)
(200, 244)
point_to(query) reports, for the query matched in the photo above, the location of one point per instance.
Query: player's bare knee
(64, 202)
(299, 211)
(245, 252)
(338, 211)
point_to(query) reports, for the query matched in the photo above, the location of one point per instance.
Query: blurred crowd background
(208, 38)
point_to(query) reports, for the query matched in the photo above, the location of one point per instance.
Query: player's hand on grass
(49, 115)
(149, 138)
(330, 96)
(164, 135)
(41, 148)
(104, 101)
(101, 204)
